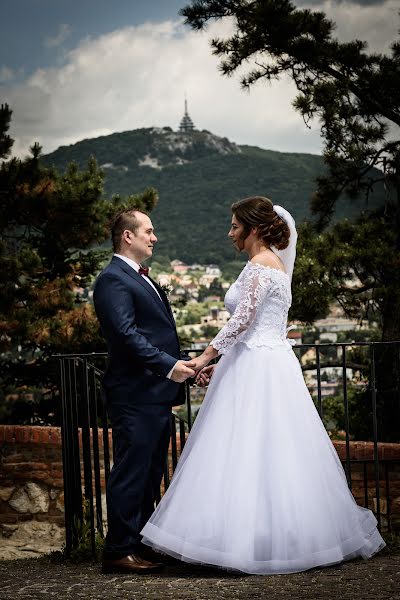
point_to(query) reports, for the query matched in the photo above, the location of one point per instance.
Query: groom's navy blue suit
(142, 349)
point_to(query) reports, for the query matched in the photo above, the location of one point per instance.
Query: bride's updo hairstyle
(258, 212)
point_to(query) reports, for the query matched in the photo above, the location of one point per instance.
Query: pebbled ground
(377, 579)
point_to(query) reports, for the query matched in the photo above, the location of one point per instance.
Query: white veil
(288, 255)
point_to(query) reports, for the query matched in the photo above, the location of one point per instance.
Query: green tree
(355, 96)
(5, 140)
(193, 313)
(52, 225)
(209, 331)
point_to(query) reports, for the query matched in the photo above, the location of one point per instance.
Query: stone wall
(31, 486)
(31, 490)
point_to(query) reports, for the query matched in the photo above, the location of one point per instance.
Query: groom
(141, 384)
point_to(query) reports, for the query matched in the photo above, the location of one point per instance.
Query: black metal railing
(87, 444)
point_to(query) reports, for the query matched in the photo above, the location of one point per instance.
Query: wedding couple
(259, 487)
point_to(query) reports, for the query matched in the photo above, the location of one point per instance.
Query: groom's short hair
(126, 219)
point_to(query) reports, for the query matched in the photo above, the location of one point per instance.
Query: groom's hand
(182, 370)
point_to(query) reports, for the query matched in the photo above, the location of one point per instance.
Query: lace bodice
(259, 302)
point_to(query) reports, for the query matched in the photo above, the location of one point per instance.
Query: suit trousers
(141, 436)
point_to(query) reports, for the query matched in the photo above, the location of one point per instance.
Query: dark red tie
(143, 270)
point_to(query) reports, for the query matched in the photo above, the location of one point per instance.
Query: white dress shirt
(136, 267)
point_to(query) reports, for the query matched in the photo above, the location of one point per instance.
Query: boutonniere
(166, 288)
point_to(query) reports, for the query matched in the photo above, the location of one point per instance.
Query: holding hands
(199, 364)
(196, 366)
(204, 376)
(183, 370)
(190, 368)
(202, 361)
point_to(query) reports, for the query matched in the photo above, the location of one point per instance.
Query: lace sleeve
(255, 286)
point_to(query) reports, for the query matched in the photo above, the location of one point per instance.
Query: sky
(72, 70)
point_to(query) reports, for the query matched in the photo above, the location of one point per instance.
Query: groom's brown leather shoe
(130, 564)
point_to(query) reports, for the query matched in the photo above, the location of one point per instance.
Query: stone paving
(34, 579)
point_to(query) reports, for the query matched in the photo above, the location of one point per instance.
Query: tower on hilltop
(186, 125)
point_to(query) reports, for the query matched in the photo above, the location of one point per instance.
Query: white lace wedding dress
(259, 487)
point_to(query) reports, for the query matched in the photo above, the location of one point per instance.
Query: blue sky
(30, 25)
(82, 68)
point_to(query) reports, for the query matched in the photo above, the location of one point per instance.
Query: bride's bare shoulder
(268, 259)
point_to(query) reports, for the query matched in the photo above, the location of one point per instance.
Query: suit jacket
(141, 337)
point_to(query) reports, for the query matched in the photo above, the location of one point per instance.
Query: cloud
(375, 22)
(63, 32)
(358, 2)
(6, 74)
(137, 76)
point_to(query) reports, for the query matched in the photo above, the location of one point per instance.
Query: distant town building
(192, 290)
(309, 357)
(328, 388)
(213, 270)
(332, 324)
(212, 298)
(164, 278)
(216, 317)
(328, 336)
(297, 336)
(179, 267)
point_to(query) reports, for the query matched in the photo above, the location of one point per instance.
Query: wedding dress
(259, 487)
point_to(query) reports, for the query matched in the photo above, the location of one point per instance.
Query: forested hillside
(198, 175)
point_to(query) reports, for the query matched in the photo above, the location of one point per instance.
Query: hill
(198, 175)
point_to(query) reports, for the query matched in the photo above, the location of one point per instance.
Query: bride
(259, 487)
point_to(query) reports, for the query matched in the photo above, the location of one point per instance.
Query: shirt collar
(129, 261)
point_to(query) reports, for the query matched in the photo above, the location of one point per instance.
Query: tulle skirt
(259, 487)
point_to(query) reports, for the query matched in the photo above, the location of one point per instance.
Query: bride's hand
(204, 376)
(199, 362)
(202, 361)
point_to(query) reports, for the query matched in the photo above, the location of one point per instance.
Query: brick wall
(389, 483)
(31, 478)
